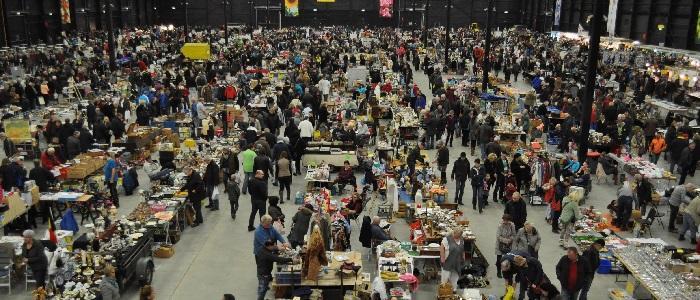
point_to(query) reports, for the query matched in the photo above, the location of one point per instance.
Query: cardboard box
(695, 268)
(77, 172)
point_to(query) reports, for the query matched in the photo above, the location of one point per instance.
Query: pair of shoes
(673, 230)
(555, 231)
(274, 183)
(244, 193)
(498, 274)
(195, 224)
(207, 206)
(474, 207)
(215, 209)
(233, 216)
(681, 238)
(251, 228)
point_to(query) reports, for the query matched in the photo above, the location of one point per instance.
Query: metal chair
(652, 215)
(28, 277)
(6, 267)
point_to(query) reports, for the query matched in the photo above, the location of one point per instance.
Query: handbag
(189, 214)
(504, 247)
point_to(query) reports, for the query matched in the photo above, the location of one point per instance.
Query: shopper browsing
(572, 271)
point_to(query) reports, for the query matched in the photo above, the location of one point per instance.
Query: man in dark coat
(229, 165)
(443, 159)
(262, 162)
(686, 162)
(460, 172)
(41, 177)
(517, 209)
(73, 145)
(212, 180)
(117, 126)
(265, 260)
(86, 139)
(91, 114)
(195, 192)
(572, 271)
(592, 257)
(258, 196)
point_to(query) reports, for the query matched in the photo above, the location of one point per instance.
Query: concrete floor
(216, 257)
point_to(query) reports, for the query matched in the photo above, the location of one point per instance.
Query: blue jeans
(569, 295)
(247, 177)
(584, 290)
(263, 285)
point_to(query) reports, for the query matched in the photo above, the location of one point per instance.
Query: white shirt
(306, 129)
(325, 86)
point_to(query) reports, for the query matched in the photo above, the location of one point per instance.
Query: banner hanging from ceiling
(612, 17)
(65, 11)
(557, 13)
(385, 8)
(291, 8)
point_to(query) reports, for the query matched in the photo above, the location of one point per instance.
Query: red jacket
(49, 162)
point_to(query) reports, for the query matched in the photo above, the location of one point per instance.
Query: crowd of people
(150, 82)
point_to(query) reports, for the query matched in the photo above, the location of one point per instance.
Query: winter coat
(300, 225)
(524, 240)
(194, 187)
(211, 174)
(505, 235)
(517, 211)
(366, 232)
(569, 211)
(582, 270)
(460, 168)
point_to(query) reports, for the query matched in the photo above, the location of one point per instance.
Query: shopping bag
(510, 293)
(41, 100)
(215, 193)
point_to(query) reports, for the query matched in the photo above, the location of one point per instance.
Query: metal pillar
(447, 33)
(110, 36)
(593, 49)
(487, 48)
(187, 22)
(226, 22)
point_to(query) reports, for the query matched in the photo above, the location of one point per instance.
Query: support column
(592, 70)
(447, 33)
(110, 36)
(487, 52)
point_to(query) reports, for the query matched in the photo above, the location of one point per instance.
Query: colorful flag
(52, 230)
(385, 8)
(65, 11)
(291, 8)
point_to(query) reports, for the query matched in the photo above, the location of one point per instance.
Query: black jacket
(72, 147)
(230, 163)
(86, 140)
(278, 148)
(477, 176)
(413, 156)
(592, 257)
(262, 162)
(517, 211)
(582, 270)
(366, 232)
(101, 132)
(36, 258)
(443, 157)
(211, 175)
(9, 147)
(195, 187)
(686, 160)
(533, 273)
(41, 176)
(258, 189)
(265, 261)
(300, 225)
(493, 147)
(460, 169)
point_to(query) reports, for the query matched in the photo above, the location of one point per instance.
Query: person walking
(111, 172)
(572, 270)
(592, 257)
(283, 174)
(234, 192)
(685, 163)
(212, 180)
(517, 210)
(476, 175)
(248, 162)
(452, 257)
(258, 197)
(196, 192)
(443, 159)
(505, 236)
(460, 172)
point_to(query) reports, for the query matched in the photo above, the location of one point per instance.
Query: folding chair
(6, 267)
(28, 277)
